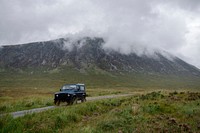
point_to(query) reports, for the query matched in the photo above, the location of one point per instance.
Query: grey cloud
(128, 25)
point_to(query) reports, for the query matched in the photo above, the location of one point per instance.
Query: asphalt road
(36, 110)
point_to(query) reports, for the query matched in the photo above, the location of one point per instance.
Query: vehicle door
(78, 91)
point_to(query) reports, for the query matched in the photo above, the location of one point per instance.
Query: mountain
(88, 53)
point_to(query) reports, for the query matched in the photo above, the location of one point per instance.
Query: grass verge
(153, 112)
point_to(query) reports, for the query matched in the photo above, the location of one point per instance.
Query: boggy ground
(152, 112)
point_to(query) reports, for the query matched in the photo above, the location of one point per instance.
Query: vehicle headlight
(68, 95)
(56, 95)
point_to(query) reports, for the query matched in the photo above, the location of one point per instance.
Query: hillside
(88, 53)
(49, 65)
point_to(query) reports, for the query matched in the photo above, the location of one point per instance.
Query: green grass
(170, 109)
(157, 112)
(10, 105)
(30, 87)
(51, 79)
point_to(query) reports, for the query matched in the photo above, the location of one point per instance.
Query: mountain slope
(89, 53)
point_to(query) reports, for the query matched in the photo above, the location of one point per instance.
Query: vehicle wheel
(74, 100)
(83, 99)
(57, 102)
(68, 102)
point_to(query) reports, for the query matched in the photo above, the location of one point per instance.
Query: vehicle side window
(82, 88)
(77, 87)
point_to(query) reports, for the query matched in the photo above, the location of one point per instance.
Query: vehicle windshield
(67, 87)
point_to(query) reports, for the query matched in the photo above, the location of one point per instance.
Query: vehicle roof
(74, 84)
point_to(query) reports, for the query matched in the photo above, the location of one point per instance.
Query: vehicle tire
(83, 99)
(57, 102)
(68, 102)
(74, 100)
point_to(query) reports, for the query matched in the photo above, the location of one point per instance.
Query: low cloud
(127, 26)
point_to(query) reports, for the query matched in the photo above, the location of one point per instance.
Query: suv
(70, 93)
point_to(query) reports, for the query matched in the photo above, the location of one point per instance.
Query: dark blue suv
(70, 93)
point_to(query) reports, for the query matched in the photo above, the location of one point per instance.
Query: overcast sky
(171, 25)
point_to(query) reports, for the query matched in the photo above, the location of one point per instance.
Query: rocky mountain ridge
(89, 52)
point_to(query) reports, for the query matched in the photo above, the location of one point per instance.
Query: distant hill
(87, 53)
